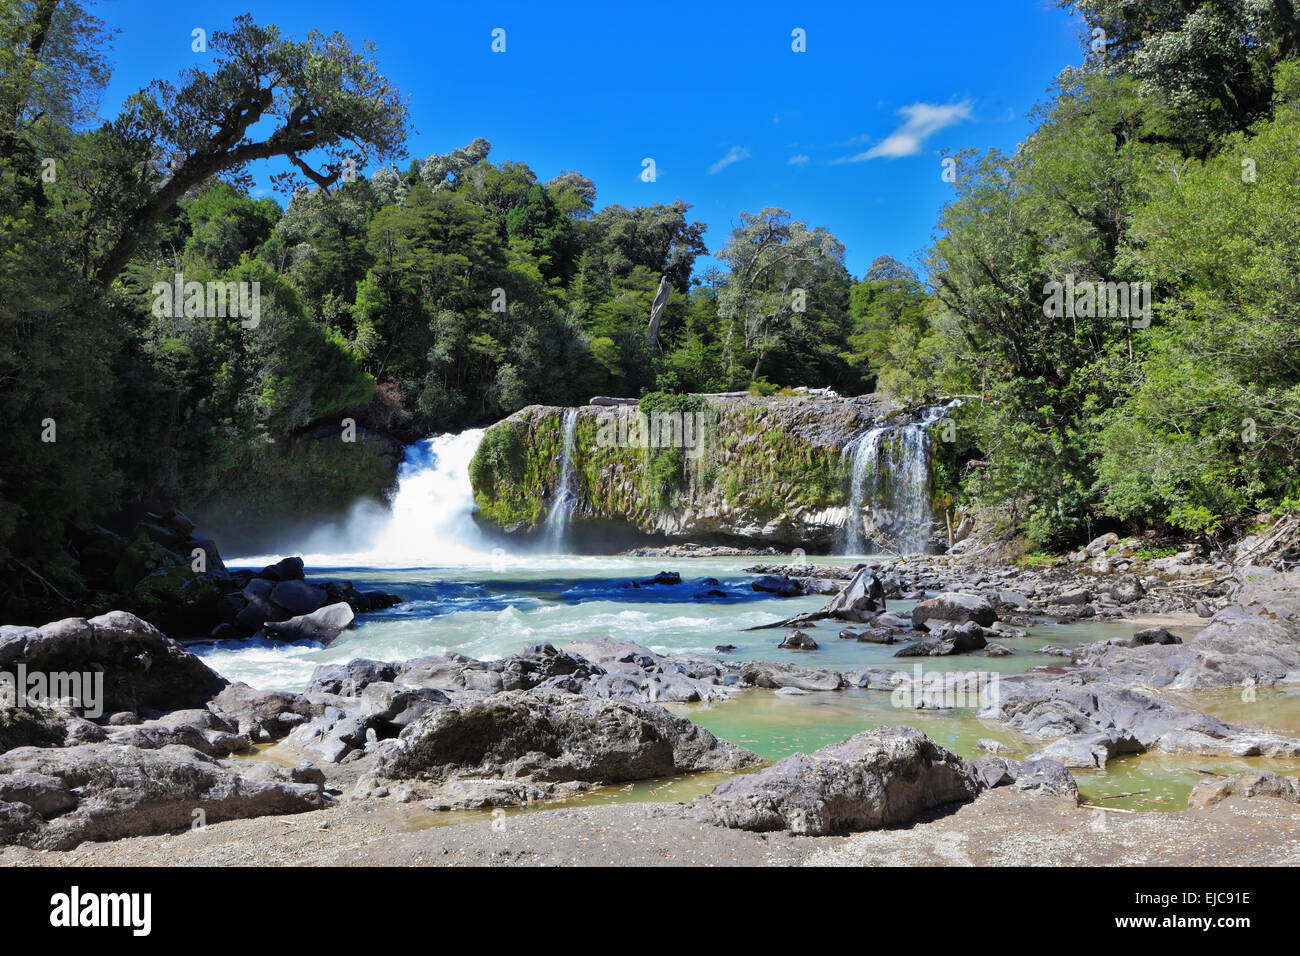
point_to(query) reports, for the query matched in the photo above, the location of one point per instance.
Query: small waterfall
(864, 455)
(566, 498)
(889, 474)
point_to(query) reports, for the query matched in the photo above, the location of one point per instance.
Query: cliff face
(764, 470)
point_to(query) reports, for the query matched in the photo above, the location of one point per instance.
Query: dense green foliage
(1168, 159)
(458, 289)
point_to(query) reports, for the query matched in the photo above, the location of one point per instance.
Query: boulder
(777, 584)
(55, 799)
(298, 597)
(862, 598)
(287, 569)
(142, 668)
(1127, 589)
(556, 738)
(878, 778)
(322, 626)
(798, 641)
(1266, 784)
(961, 639)
(774, 675)
(955, 608)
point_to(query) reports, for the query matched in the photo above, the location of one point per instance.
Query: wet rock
(875, 779)
(298, 597)
(777, 584)
(323, 625)
(664, 577)
(1153, 635)
(798, 641)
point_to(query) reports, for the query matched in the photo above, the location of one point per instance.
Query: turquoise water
(496, 607)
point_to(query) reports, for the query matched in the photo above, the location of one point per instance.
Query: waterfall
(428, 522)
(566, 498)
(889, 479)
(863, 453)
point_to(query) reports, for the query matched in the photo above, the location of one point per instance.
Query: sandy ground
(1002, 827)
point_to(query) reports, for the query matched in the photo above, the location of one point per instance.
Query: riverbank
(1000, 828)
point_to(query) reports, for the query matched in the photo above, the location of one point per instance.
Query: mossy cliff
(767, 470)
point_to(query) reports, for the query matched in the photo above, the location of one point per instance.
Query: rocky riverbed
(171, 748)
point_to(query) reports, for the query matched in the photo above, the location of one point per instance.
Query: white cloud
(923, 120)
(797, 160)
(734, 155)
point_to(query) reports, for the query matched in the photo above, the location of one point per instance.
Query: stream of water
(462, 594)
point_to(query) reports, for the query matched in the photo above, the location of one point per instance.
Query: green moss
(749, 460)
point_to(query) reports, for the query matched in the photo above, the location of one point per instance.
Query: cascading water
(429, 521)
(566, 497)
(889, 474)
(863, 453)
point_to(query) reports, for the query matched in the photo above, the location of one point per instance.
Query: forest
(423, 295)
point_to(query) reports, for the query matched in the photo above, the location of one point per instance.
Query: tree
(779, 268)
(1212, 61)
(323, 100)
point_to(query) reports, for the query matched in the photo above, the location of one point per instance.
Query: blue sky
(847, 135)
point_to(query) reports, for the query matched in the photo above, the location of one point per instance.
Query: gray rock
(143, 669)
(109, 792)
(773, 675)
(322, 625)
(955, 608)
(798, 641)
(1209, 792)
(875, 779)
(556, 738)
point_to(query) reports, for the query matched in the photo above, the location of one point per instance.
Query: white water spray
(566, 498)
(889, 469)
(429, 521)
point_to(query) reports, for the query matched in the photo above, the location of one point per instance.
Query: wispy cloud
(797, 160)
(922, 120)
(734, 155)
